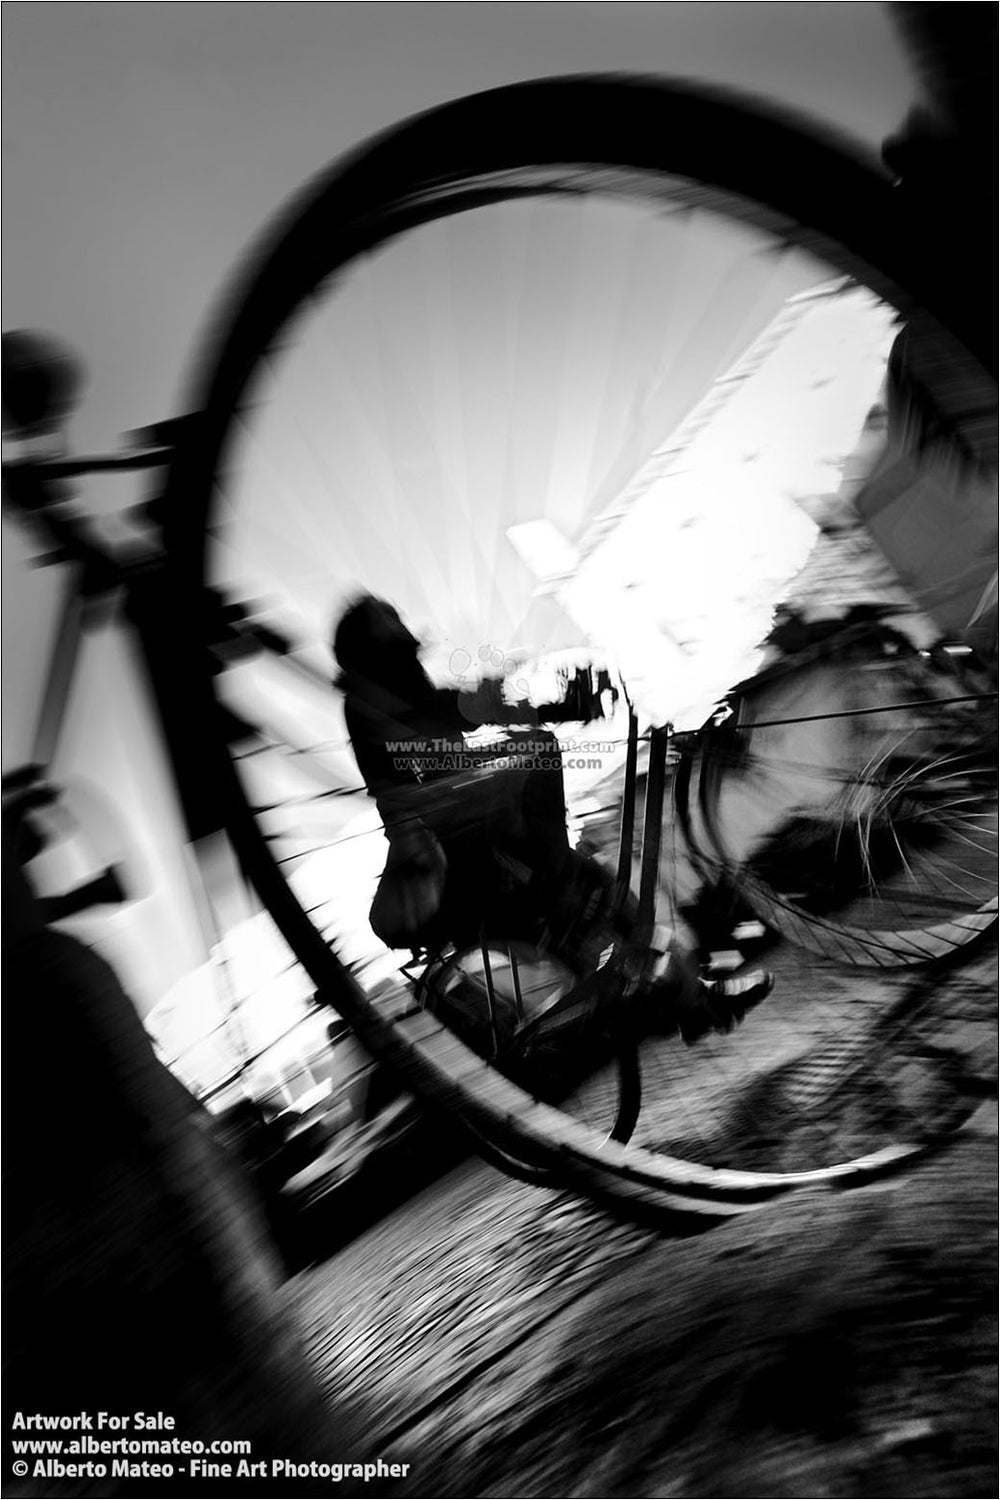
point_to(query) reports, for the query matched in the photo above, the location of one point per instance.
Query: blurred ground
(512, 1341)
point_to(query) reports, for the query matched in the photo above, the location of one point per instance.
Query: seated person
(498, 814)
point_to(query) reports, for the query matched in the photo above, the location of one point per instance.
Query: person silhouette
(497, 814)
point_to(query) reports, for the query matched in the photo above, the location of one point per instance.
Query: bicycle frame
(156, 609)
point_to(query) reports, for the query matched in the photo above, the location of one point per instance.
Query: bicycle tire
(758, 164)
(889, 929)
(537, 1055)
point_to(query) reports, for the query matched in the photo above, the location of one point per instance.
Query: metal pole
(63, 659)
(491, 997)
(652, 827)
(628, 804)
(516, 980)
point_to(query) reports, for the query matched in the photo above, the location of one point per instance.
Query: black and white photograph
(500, 749)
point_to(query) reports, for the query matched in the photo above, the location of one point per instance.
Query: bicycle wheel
(883, 849)
(470, 372)
(544, 1028)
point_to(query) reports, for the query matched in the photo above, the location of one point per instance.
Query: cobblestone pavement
(513, 1341)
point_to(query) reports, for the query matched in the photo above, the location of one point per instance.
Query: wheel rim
(889, 854)
(547, 1035)
(283, 285)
